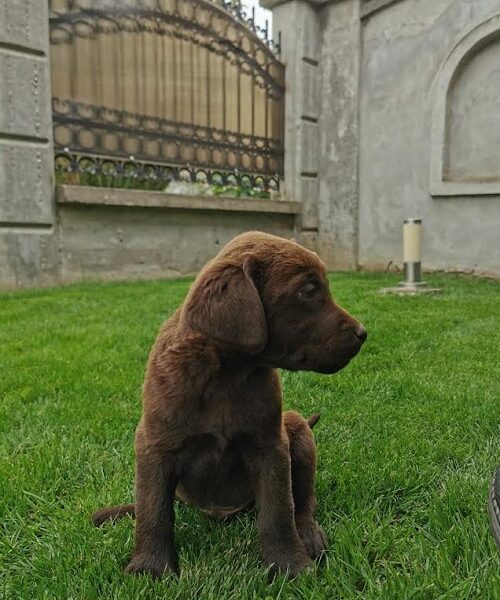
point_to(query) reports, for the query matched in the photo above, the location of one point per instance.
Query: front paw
(289, 564)
(312, 536)
(153, 565)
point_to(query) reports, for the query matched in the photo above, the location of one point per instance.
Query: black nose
(361, 333)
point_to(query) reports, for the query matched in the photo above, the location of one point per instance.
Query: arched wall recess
(465, 134)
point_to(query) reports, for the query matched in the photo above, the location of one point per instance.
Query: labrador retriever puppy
(212, 430)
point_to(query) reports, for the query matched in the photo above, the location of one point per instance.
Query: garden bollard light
(412, 253)
(412, 257)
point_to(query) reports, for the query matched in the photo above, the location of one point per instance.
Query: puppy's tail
(313, 420)
(113, 513)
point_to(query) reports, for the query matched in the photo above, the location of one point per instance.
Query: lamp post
(412, 253)
(412, 259)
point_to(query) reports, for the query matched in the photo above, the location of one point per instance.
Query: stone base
(411, 290)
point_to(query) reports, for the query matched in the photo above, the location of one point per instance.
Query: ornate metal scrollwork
(131, 170)
(247, 87)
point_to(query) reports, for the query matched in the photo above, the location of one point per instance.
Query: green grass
(409, 437)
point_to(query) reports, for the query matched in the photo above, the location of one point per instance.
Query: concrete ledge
(464, 188)
(76, 194)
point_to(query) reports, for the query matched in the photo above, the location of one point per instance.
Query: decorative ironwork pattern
(86, 128)
(169, 82)
(77, 165)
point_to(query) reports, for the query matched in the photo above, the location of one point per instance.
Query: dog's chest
(233, 406)
(232, 418)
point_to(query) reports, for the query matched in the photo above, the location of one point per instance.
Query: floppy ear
(224, 305)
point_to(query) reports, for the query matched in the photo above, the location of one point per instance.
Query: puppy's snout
(361, 333)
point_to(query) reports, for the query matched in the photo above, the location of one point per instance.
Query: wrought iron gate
(166, 88)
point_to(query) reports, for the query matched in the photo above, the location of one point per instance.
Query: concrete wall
(407, 95)
(300, 53)
(338, 124)
(104, 243)
(473, 113)
(320, 50)
(391, 111)
(27, 255)
(113, 234)
(129, 234)
(92, 233)
(405, 103)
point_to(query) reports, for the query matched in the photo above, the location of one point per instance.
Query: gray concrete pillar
(321, 50)
(297, 20)
(339, 126)
(26, 157)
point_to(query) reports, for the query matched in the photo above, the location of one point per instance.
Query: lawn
(408, 439)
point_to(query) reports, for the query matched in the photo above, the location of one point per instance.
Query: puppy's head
(269, 297)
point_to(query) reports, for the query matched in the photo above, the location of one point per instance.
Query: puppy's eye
(308, 291)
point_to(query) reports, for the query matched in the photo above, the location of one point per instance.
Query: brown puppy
(212, 430)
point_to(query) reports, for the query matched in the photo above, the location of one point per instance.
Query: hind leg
(303, 461)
